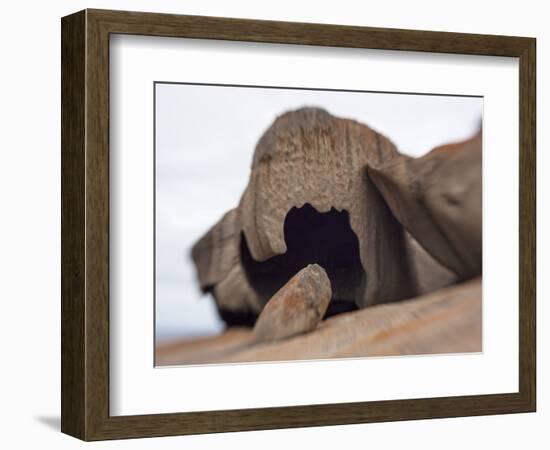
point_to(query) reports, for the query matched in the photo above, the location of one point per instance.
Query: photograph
(276, 222)
(301, 223)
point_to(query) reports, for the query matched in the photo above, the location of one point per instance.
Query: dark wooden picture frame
(85, 224)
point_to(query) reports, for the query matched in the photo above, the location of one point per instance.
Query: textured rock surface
(217, 252)
(430, 275)
(308, 158)
(309, 200)
(219, 270)
(445, 321)
(437, 198)
(297, 307)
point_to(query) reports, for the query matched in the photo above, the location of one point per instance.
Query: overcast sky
(205, 138)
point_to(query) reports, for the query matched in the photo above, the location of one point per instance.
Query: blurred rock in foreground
(298, 307)
(445, 321)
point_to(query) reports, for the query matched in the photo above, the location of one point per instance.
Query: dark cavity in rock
(312, 238)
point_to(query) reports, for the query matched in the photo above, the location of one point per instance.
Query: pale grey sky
(205, 138)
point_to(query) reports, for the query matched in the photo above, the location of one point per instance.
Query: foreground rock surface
(445, 321)
(297, 307)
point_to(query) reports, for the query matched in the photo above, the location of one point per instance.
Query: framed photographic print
(271, 224)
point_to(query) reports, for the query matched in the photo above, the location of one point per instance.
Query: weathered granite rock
(430, 275)
(217, 259)
(309, 200)
(217, 252)
(437, 198)
(310, 161)
(297, 307)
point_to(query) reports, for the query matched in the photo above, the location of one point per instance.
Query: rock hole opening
(312, 237)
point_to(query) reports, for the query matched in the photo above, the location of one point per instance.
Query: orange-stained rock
(297, 307)
(445, 321)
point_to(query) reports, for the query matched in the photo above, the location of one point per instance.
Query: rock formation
(437, 198)
(312, 165)
(217, 259)
(332, 191)
(308, 200)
